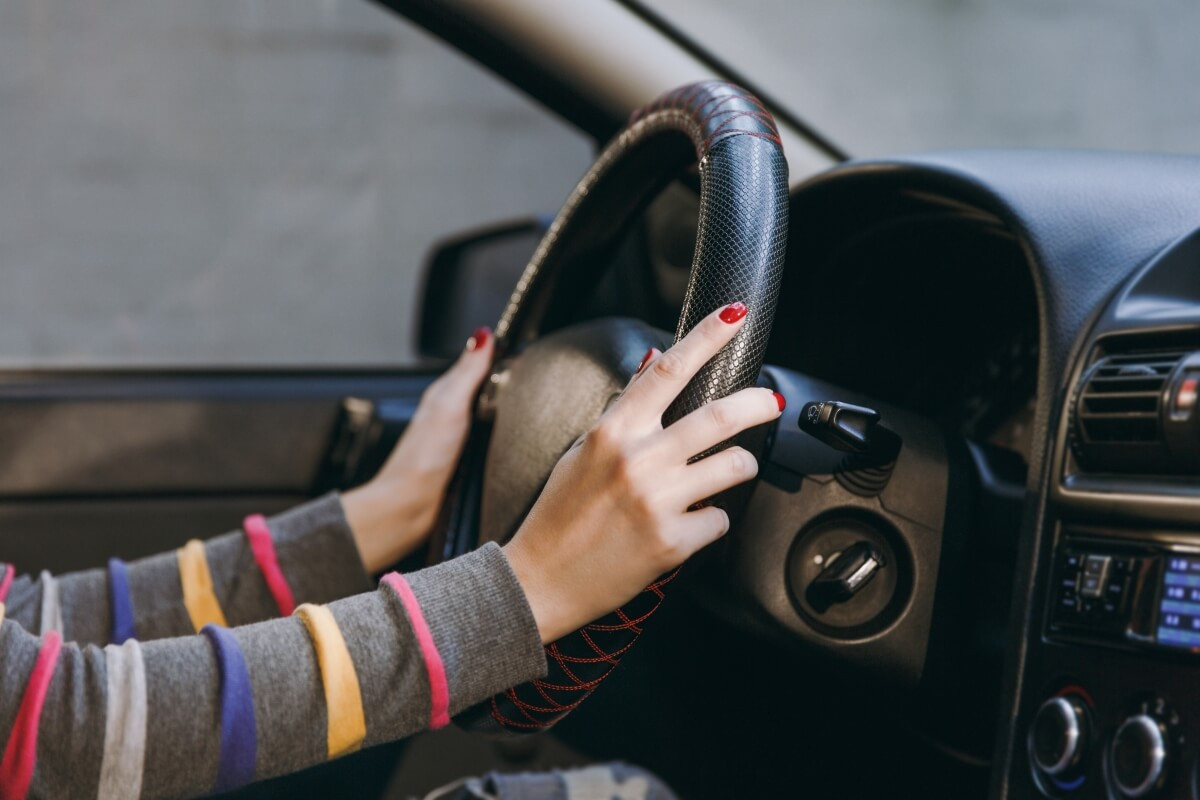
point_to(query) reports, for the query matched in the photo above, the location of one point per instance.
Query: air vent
(1120, 398)
(1118, 412)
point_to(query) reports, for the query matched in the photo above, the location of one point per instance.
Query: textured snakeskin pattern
(740, 249)
(739, 256)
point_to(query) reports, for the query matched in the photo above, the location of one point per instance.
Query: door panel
(66, 535)
(94, 465)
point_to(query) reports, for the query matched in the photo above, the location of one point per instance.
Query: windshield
(881, 76)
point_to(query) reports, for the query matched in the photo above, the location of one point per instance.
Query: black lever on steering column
(851, 429)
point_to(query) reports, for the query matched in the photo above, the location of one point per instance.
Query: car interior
(970, 564)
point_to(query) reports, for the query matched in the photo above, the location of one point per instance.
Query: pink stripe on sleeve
(439, 687)
(263, 548)
(6, 581)
(20, 755)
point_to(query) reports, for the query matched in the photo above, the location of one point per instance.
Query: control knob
(1058, 738)
(1138, 756)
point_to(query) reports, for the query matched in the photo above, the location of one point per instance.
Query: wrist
(550, 613)
(384, 530)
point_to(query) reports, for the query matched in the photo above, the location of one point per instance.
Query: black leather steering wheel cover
(742, 229)
(739, 256)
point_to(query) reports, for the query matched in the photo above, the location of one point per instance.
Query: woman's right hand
(615, 513)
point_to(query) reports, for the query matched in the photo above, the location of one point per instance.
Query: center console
(1110, 690)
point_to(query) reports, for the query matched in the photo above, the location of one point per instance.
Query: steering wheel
(552, 380)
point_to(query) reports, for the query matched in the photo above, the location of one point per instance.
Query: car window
(880, 76)
(236, 182)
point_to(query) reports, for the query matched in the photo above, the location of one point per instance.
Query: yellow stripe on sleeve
(343, 700)
(198, 596)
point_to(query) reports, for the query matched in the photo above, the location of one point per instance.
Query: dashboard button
(1091, 586)
(1095, 576)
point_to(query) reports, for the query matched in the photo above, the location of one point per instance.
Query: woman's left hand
(394, 512)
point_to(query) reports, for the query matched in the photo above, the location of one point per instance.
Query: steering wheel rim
(739, 255)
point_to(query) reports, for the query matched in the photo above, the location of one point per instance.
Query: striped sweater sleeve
(184, 716)
(306, 554)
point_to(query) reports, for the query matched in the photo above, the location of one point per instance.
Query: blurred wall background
(244, 181)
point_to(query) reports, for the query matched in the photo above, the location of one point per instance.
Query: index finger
(666, 376)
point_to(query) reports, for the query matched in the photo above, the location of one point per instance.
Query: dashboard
(1047, 303)
(1110, 700)
(977, 300)
(944, 311)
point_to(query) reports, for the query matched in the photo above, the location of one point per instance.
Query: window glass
(881, 76)
(237, 182)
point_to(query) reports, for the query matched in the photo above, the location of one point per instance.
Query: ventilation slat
(1139, 385)
(1120, 399)
(1121, 429)
(1117, 414)
(1144, 357)
(1124, 403)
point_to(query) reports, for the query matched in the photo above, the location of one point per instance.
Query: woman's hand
(393, 513)
(615, 513)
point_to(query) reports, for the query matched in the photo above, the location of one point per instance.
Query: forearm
(312, 547)
(477, 627)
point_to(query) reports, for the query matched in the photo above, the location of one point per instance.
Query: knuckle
(603, 436)
(741, 463)
(625, 472)
(675, 553)
(625, 479)
(642, 504)
(671, 365)
(668, 550)
(722, 415)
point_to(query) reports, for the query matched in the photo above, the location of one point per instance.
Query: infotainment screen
(1179, 609)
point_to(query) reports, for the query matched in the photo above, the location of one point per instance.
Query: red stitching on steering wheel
(541, 716)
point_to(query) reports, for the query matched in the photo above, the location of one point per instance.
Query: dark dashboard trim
(1087, 222)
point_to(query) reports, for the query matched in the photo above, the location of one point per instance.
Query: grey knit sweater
(136, 703)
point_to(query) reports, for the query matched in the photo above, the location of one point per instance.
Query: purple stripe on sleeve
(239, 731)
(123, 627)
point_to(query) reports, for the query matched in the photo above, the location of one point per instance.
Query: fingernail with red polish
(645, 360)
(780, 400)
(479, 338)
(733, 312)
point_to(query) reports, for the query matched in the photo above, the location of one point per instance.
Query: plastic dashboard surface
(1120, 636)
(1088, 223)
